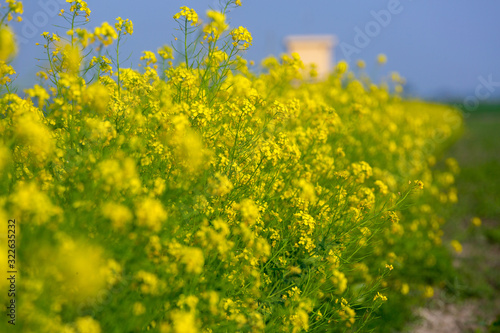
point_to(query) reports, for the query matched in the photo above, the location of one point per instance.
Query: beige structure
(314, 49)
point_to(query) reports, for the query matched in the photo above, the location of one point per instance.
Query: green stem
(3, 18)
(185, 43)
(118, 63)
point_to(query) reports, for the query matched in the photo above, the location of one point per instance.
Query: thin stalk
(185, 43)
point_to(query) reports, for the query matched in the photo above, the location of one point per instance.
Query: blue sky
(446, 48)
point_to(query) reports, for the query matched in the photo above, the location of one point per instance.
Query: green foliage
(207, 198)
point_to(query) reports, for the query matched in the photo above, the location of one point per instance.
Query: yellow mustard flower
(166, 52)
(184, 322)
(150, 57)
(216, 26)
(189, 14)
(7, 43)
(105, 33)
(87, 325)
(381, 59)
(456, 246)
(150, 213)
(241, 34)
(79, 6)
(380, 296)
(126, 26)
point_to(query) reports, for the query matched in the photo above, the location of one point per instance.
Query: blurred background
(446, 50)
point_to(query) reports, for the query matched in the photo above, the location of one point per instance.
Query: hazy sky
(443, 48)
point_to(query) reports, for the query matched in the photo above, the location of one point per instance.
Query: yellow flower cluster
(5, 72)
(380, 296)
(216, 27)
(347, 314)
(126, 26)
(8, 44)
(241, 34)
(203, 197)
(105, 33)
(476, 221)
(150, 57)
(14, 6)
(79, 6)
(166, 52)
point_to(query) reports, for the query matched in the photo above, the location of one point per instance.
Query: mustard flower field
(196, 195)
